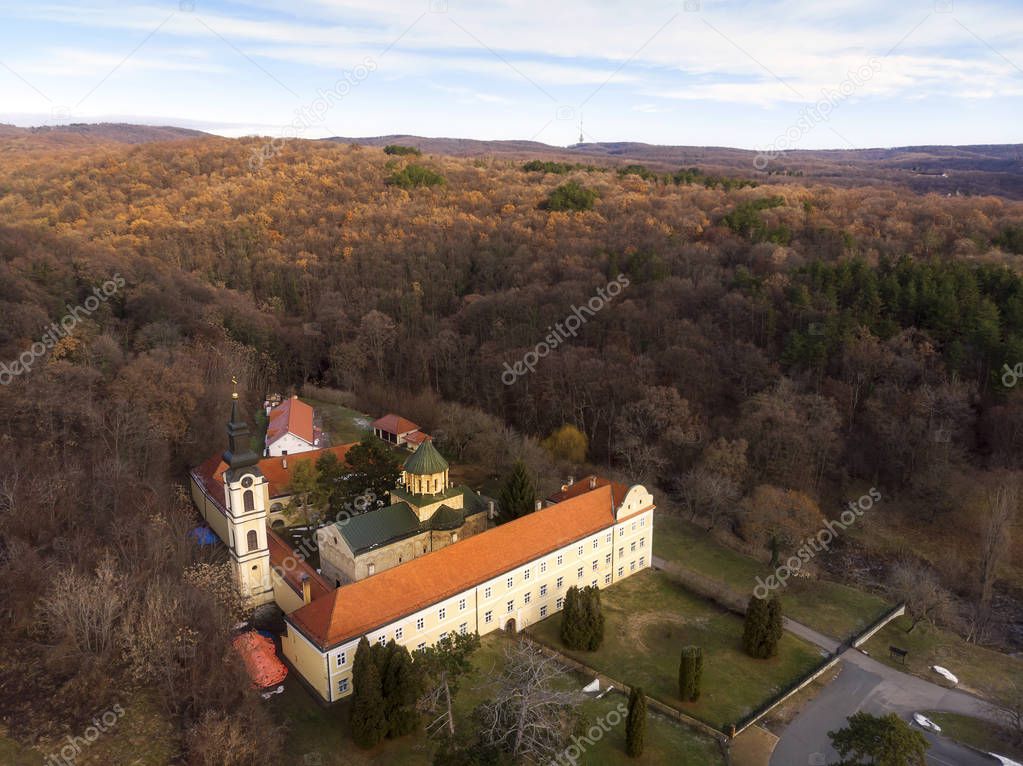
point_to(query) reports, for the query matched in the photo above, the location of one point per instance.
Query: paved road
(869, 685)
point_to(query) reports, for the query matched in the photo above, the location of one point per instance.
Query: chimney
(307, 589)
(284, 463)
(539, 504)
(593, 482)
(491, 513)
(571, 480)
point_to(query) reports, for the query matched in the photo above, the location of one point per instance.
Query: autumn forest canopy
(781, 338)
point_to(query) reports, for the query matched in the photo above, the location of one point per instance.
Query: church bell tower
(247, 496)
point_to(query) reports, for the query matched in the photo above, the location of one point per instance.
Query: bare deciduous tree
(918, 586)
(527, 716)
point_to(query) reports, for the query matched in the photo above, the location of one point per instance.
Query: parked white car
(945, 673)
(926, 723)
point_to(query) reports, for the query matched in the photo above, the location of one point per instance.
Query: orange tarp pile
(261, 661)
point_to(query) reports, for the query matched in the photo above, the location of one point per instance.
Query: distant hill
(985, 169)
(116, 132)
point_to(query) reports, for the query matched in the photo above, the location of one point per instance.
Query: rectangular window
(607, 579)
(442, 613)
(511, 606)
(561, 603)
(488, 617)
(399, 634)
(560, 583)
(382, 640)
(420, 623)
(420, 646)
(543, 591)
(607, 538)
(642, 522)
(527, 597)
(621, 531)
(593, 583)
(510, 582)
(486, 592)
(580, 550)
(642, 561)
(642, 542)
(461, 605)
(342, 658)
(342, 686)
(525, 574)
(634, 526)
(632, 547)
(543, 567)
(463, 628)
(607, 559)
(443, 636)
(561, 559)
(594, 565)
(621, 571)
(621, 553)
(596, 542)
(632, 566)
(543, 610)
(579, 573)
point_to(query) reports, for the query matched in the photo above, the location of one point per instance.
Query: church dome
(425, 461)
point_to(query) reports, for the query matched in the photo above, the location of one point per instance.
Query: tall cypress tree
(369, 724)
(518, 495)
(635, 725)
(401, 686)
(755, 627)
(594, 618)
(690, 673)
(775, 626)
(572, 628)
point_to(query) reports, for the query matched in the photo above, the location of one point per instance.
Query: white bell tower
(247, 495)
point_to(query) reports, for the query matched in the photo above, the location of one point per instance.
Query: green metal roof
(426, 460)
(373, 528)
(445, 518)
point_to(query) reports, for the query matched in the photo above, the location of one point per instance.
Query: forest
(788, 338)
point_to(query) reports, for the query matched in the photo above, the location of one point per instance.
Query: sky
(771, 75)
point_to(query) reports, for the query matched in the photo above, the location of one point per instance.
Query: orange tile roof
(211, 472)
(293, 565)
(291, 416)
(417, 437)
(394, 424)
(582, 486)
(355, 609)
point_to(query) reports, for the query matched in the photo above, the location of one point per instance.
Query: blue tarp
(204, 536)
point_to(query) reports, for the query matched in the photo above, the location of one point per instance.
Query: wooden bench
(896, 652)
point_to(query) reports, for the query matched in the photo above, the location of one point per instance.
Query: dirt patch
(637, 626)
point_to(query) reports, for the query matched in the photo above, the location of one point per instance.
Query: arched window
(249, 501)
(252, 539)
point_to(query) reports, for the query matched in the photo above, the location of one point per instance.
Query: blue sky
(698, 72)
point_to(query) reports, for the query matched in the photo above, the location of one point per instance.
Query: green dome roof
(426, 460)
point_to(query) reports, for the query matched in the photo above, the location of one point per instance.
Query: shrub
(415, 176)
(763, 627)
(400, 150)
(570, 196)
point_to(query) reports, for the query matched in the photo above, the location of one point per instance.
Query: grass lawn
(979, 670)
(341, 423)
(313, 729)
(830, 608)
(977, 733)
(649, 618)
(15, 755)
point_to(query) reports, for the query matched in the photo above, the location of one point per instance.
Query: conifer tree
(518, 495)
(755, 627)
(775, 626)
(635, 725)
(572, 629)
(368, 721)
(401, 687)
(594, 618)
(690, 673)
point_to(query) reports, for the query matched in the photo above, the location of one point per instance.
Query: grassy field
(341, 423)
(827, 607)
(313, 729)
(977, 733)
(649, 618)
(979, 670)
